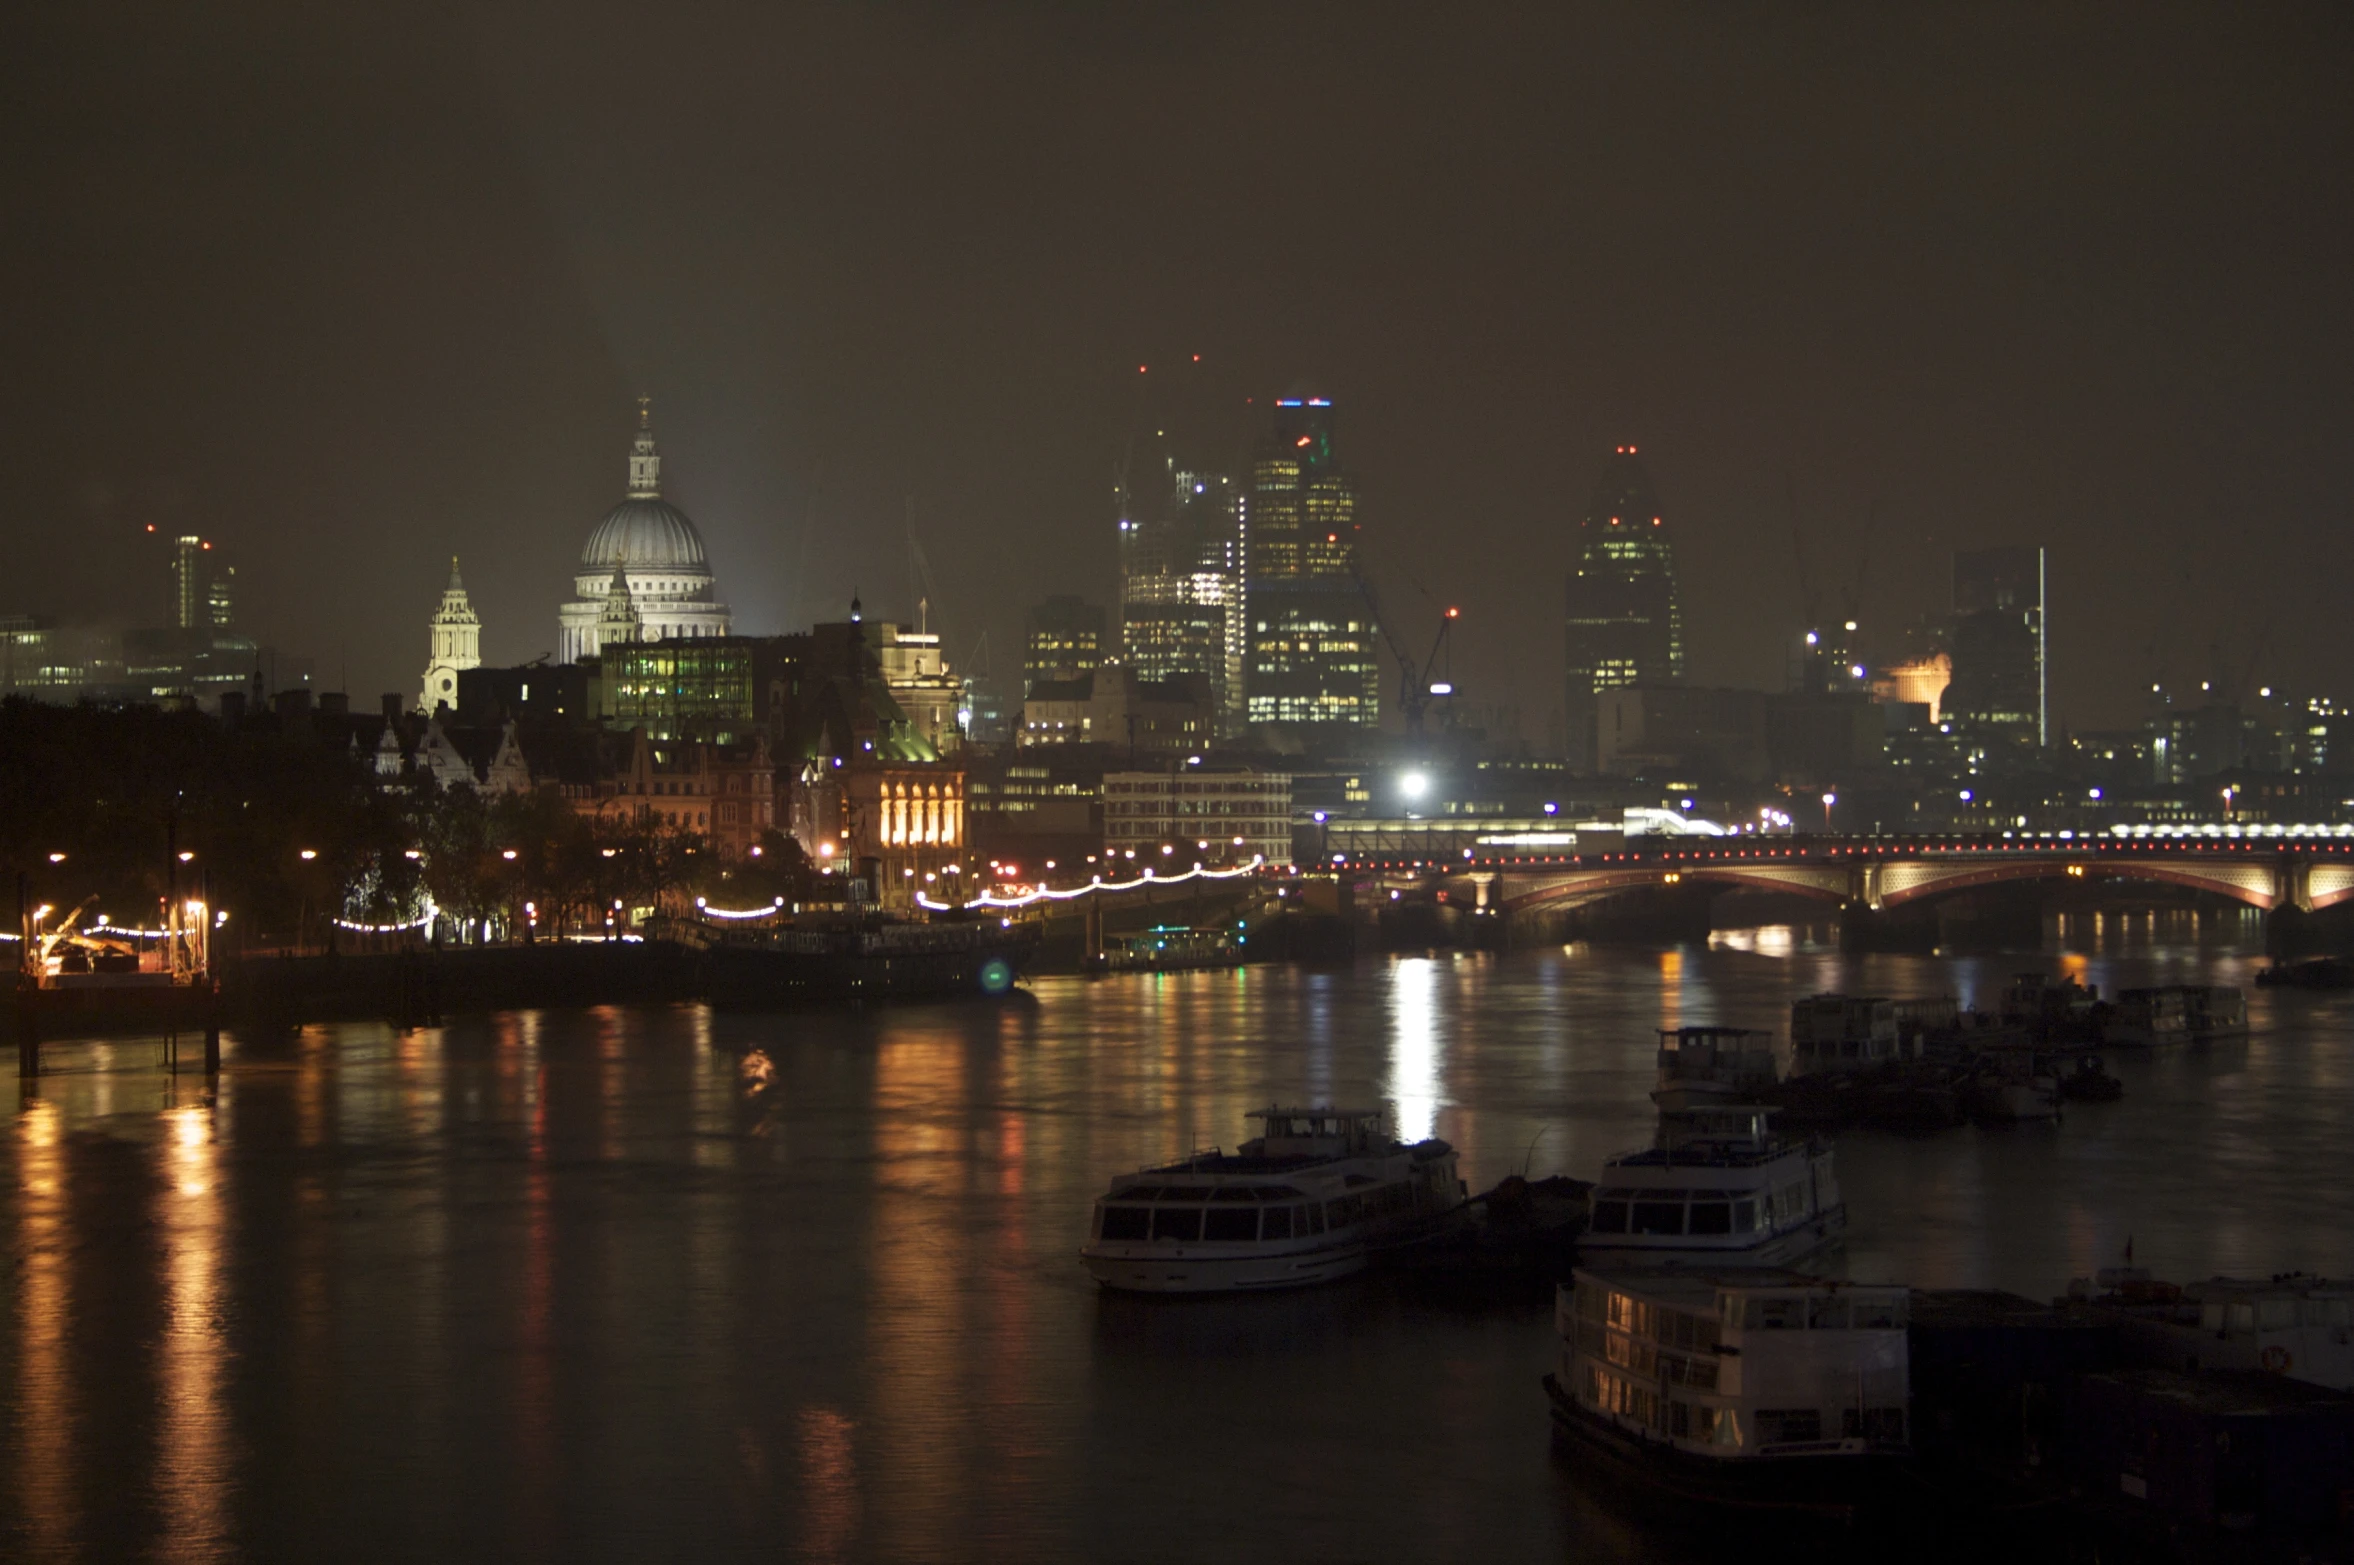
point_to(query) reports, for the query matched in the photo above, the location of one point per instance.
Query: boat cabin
(1733, 1057)
(1843, 1032)
(1317, 1133)
(1739, 1365)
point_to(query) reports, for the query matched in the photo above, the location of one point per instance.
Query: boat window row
(1672, 1218)
(1639, 1357)
(1625, 1398)
(1674, 1328)
(1876, 1311)
(1236, 1224)
(1207, 1193)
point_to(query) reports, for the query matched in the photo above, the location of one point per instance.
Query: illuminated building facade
(1216, 816)
(1181, 610)
(1310, 655)
(1624, 622)
(1999, 675)
(1064, 640)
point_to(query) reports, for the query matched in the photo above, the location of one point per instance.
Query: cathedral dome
(644, 533)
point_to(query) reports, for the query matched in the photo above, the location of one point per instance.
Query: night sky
(352, 288)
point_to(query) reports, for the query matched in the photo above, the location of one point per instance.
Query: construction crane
(1418, 684)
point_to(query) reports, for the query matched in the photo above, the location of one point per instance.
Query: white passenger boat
(1759, 1390)
(1706, 1067)
(1716, 1189)
(1307, 1200)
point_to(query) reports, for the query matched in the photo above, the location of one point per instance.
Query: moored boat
(1840, 1032)
(1309, 1199)
(1715, 1189)
(1700, 1067)
(1755, 1391)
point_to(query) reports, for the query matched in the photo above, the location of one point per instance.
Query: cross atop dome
(645, 466)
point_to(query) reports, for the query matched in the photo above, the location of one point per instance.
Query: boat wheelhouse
(1701, 1067)
(1765, 1389)
(1715, 1189)
(1308, 1199)
(1831, 1033)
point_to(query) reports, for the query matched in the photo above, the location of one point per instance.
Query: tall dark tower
(1625, 623)
(1311, 656)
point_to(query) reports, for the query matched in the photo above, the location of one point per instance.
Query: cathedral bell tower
(457, 645)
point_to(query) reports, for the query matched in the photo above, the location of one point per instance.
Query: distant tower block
(457, 645)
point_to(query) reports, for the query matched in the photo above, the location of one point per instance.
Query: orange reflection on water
(829, 1485)
(192, 1447)
(44, 1301)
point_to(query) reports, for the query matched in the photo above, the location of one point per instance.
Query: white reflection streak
(1414, 1050)
(44, 1392)
(192, 1458)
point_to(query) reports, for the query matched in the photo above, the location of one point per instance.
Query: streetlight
(307, 855)
(57, 858)
(1829, 799)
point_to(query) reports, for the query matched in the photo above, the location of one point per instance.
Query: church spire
(455, 584)
(645, 466)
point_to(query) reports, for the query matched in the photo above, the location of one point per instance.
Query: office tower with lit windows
(1063, 639)
(1999, 677)
(1311, 656)
(1624, 623)
(1181, 581)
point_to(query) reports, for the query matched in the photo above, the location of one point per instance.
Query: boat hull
(1834, 1487)
(980, 961)
(1145, 1268)
(1783, 1249)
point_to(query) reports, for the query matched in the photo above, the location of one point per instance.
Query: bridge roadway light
(1414, 785)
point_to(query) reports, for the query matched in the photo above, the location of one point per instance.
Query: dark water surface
(673, 1284)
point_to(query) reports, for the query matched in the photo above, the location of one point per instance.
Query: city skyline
(1905, 266)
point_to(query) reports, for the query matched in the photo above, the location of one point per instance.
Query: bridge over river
(2305, 869)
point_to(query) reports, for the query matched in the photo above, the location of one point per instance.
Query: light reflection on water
(620, 1284)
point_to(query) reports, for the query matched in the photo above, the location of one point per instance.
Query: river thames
(670, 1283)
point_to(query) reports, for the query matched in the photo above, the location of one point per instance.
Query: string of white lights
(702, 906)
(431, 913)
(1046, 894)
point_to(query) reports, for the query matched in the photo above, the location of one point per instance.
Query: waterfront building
(1214, 815)
(1999, 673)
(1064, 640)
(457, 645)
(1624, 618)
(649, 548)
(1311, 655)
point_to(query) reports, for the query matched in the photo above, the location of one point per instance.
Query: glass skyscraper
(1311, 655)
(1624, 622)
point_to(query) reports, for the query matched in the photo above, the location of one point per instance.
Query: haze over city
(352, 292)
